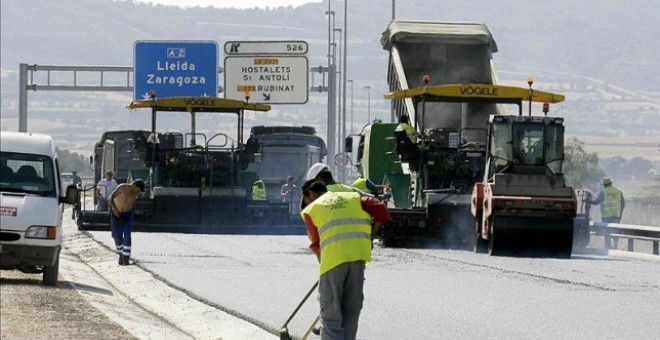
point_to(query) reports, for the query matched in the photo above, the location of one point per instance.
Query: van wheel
(51, 273)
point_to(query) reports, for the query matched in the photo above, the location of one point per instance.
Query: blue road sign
(175, 69)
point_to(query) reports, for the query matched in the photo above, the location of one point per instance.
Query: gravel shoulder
(30, 310)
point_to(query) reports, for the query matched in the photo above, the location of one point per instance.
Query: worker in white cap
(321, 173)
(314, 170)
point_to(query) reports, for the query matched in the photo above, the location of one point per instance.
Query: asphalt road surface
(244, 287)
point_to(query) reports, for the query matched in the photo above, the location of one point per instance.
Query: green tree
(581, 167)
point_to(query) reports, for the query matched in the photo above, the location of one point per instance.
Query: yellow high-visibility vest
(344, 229)
(259, 191)
(360, 183)
(410, 131)
(611, 205)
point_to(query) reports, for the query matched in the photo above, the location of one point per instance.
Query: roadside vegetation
(635, 177)
(73, 161)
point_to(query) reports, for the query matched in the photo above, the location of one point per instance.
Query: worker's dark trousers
(121, 232)
(341, 291)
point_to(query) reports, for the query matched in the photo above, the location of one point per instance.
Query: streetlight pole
(345, 70)
(341, 127)
(332, 88)
(351, 81)
(368, 103)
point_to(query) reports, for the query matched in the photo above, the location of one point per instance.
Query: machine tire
(491, 245)
(386, 240)
(50, 274)
(79, 221)
(496, 247)
(564, 253)
(479, 245)
(581, 235)
(75, 210)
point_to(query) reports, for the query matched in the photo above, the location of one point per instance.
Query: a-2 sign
(175, 69)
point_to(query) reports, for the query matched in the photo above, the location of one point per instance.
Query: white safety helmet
(315, 169)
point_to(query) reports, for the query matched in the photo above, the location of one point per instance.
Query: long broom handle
(301, 303)
(309, 330)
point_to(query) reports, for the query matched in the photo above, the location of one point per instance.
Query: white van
(66, 179)
(30, 204)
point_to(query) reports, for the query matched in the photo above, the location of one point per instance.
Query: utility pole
(392, 114)
(345, 74)
(351, 81)
(332, 90)
(368, 103)
(340, 120)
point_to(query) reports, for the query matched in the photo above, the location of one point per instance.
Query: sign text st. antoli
(279, 76)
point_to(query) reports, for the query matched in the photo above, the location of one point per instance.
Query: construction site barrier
(628, 231)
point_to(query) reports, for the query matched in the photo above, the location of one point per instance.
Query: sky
(230, 3)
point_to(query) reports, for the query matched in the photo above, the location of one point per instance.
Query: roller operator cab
(31, 196)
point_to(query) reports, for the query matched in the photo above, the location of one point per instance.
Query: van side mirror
(348, 144)
(71, 195)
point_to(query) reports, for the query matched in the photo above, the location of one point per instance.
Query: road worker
(367, 185)
(611, 203)
(288, 189)
(122, 202)
(404, 125)
(364, 184)
(103, 190)
(341, 227)
(258, 190)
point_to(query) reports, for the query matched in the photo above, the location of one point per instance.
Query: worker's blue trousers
(121, 231)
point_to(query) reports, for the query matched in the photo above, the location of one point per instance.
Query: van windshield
(28, 173)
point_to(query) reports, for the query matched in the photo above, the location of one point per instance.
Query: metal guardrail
(627, 231)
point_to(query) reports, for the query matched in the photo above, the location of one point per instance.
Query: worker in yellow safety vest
(341, 227)
(363, 184)
(611, 203)
(258, 189)
(404, 125)
(367, 185)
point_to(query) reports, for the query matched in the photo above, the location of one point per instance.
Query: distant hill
(614, 41)
(604, 54)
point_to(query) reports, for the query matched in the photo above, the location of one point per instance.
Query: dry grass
(628, 147)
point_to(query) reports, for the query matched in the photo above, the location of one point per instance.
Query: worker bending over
(341, 227)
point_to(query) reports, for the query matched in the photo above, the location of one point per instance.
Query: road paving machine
(194, 182)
